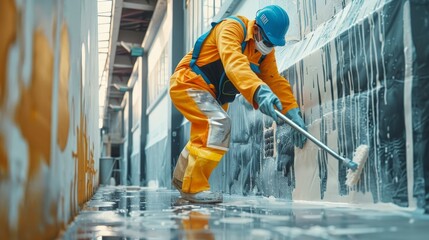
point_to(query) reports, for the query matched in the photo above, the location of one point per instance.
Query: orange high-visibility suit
(201, 104)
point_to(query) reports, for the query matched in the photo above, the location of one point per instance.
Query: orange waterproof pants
(210, 130)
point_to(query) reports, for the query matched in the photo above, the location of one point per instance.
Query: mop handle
(309, 136)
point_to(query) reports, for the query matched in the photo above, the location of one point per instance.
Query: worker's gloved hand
(266, 100)
(298, 138)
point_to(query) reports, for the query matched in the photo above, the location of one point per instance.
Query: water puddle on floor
(144, 213)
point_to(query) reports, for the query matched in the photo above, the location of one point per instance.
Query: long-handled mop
(355, 166)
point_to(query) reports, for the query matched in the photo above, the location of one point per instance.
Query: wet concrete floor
(142, 213)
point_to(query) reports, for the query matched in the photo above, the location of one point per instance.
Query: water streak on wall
(352, 76)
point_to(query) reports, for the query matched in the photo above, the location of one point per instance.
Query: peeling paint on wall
(63, 105)
(4, 165)
(49, 132)
(33, 112)
(8, 18)
(85, 164)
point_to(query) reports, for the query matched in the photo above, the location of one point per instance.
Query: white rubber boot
(203, 197)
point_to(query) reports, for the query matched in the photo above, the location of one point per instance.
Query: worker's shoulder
(234, 18)
(234, 22)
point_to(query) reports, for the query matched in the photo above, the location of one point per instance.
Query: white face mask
(262, 48)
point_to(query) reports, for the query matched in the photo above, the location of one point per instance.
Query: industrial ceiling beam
(123, 60)
(114, 31)
(131, 37)
(120, 65)
(155, 23)
(138, 6)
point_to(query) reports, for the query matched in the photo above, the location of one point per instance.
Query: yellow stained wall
(49, 144)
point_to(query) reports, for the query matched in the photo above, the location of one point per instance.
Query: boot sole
(193, 200)
(176, 184)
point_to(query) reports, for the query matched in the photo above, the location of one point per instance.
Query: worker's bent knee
(220, 132)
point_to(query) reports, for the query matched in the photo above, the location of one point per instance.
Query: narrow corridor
(102, 99)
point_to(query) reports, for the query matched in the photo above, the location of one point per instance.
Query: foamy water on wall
(354, 76)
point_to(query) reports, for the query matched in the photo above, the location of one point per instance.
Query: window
(199, 16)
(210, 9)
(159, 77)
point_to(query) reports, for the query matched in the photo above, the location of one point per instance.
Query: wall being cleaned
(360, 77)
(49, 135)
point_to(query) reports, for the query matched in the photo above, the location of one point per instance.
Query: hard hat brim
(277, 41)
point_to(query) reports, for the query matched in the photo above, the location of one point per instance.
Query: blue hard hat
(274, 21)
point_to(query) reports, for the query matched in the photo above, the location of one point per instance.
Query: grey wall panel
(250, 167)
(420, 100)
(156, 148)
(158, 166)
(360, 78)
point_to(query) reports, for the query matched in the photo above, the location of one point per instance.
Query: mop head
(360, 157)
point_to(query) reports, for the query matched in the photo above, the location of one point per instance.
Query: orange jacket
(224, 42)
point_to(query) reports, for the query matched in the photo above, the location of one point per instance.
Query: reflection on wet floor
(142, 213)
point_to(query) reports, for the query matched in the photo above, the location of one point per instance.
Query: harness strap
(199, 43)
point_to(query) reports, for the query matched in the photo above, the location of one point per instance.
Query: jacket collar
(250, 31)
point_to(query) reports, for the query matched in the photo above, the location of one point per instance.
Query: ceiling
(129, 22)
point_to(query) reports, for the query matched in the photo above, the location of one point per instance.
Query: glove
(298, 139)
(266, 100)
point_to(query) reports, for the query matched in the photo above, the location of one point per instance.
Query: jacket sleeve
(229, 36)
(278, 84)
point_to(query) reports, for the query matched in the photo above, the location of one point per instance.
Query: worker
(236, 56)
